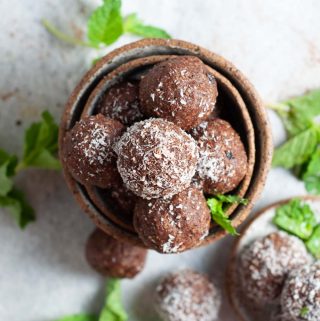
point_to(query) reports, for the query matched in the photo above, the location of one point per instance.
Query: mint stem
(62, 36)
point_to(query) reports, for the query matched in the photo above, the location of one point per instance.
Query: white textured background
(43, 274)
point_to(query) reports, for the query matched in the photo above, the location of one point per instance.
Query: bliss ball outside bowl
(114, 258)
(187, 296)
(179, 90)
(264, 265)
(171, 225)
(300, 298)
(156, 158)
(121, 102)
(222, 157)
(88, 152)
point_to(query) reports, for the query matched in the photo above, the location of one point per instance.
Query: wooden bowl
(259, 226)
(132, 60)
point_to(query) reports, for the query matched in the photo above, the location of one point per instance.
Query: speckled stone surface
(43, 273)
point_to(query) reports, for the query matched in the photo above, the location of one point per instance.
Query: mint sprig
(297, 218)
(132, 24)
(218, 206)
(112, 310)
(301, 152)
(40, 149)
(106, 25)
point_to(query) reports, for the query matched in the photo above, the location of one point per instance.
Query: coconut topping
(156, 158)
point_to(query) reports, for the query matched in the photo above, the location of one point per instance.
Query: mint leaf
(105, 24)
(304, 312)
(132, 24)
(41, 144)
(218, 206)
(79, 317)
(311, 176)
(15, 202)
(231, 199)
(8, 164)
(113, 309)
(295, 217)
(297, 149)
(298, 113)
(313, 244)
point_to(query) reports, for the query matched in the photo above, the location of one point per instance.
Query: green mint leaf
(219, 216)
(15, 202)
(79, 317)
(105, 24)
(62, 36)
(113, 309)
(304, 312)
(231, 199)
(8, 165)
(309, 104)
(298, 113)
(297, 149)
(311, 176)
(132, 24)
(41, 144)
(295, 217)
(313, 244)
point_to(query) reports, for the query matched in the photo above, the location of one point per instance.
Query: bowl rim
(230, 284)
(147, 47)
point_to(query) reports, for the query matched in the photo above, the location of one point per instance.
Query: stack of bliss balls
(160, 149)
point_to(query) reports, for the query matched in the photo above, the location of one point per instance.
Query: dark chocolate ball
(124, 199)
(121, 102)
(187, 296)
(88, 150)
(264, 265)
(156, 158)
(300, 298)
(170, 225)
(114, 258)
(222, 157)
(179, 90)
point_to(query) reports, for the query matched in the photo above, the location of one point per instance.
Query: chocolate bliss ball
(222, 158)
(300, 298)
(264, 265)
(179, 90)
(88, 150)
(171, 225)
(113, 258)
(187, 296)
(156, 158)
(121, 102)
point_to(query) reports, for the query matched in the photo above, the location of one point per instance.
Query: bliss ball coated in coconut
(121, 102)
(300, 298)
(222, 157)
(179, 90)
(156, 158)
(88, 150)
(187, 296)
(264, 265)
(171, 225)
(113, 258)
